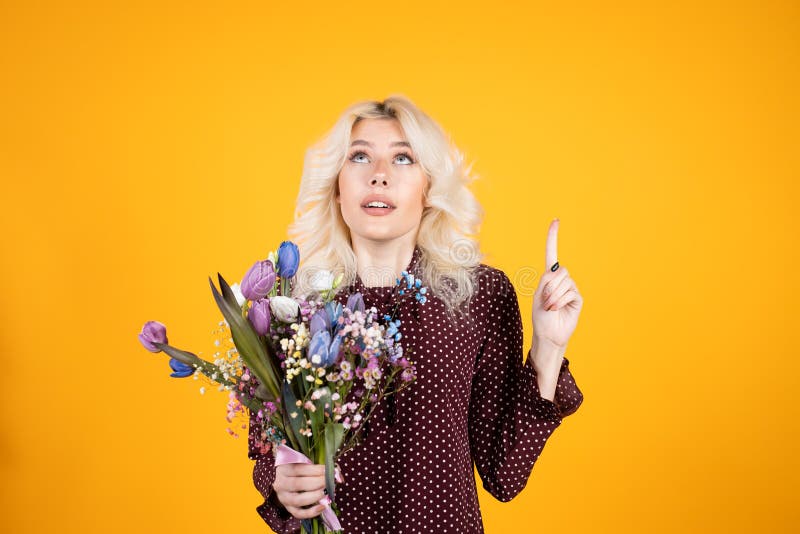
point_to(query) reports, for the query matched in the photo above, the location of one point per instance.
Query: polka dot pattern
(474, 401)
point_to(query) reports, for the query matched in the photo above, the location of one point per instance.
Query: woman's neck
(379, 263)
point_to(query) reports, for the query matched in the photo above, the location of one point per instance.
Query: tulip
(319, 321)
(284, 308)
(288, 259)
(153, 332)
(333, 351)
(181, 369)
(259, 316)
(334, 310)
(322, 351)
(258, 280)
(322, 280)
(356, 302)
(318, 348)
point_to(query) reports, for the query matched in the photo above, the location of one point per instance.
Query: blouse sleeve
(509, 420)
(568, 396)
(271, 510)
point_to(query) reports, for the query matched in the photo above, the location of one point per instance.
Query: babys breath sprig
(226, 358)
(293, 347)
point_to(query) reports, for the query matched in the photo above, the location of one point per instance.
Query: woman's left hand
(556, 302)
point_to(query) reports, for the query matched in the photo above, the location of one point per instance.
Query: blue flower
(322, 346)
(392, 331)
(334, 310)
(181, 369)
(288, 259)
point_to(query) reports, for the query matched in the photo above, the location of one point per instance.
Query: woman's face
(380, 170)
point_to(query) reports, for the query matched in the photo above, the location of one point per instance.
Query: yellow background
(144, 148)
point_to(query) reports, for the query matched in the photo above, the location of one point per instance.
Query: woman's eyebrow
(363, 142)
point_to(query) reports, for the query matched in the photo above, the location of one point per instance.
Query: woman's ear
(425, 202)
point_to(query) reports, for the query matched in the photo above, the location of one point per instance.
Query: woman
(384, 192)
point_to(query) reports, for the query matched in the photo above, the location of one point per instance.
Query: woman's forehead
(384, 131)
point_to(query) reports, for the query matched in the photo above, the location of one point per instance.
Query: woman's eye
(356, 155)
(410, 161)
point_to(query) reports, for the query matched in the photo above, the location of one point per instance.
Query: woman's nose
(379, 179)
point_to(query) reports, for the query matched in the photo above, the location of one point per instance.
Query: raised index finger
(551, 248)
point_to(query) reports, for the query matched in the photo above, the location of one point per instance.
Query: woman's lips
(378, 211)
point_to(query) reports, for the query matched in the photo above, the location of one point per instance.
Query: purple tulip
(153, 332)
(258, 281)
(319, 321)
(356, 302)
(260, 316)
(288, 259)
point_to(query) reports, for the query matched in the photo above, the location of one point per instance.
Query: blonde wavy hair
(450, 254)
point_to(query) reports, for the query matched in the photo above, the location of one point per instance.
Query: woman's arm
(509, 420)
(558, 386)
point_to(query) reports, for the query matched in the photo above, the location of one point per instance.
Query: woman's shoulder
(492, 281)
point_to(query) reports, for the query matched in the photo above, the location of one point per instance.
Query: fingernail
(554, 267)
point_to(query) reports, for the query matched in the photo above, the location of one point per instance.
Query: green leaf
(334, 432)
(318, 415)
(246, 340)
(227, 293)
(205, 367)
(181, 355)
(269, 355)
(294, 424)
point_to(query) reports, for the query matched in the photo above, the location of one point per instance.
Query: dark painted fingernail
(325, 491)
(554, 267)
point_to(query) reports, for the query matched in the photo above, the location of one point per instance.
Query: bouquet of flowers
(312, 370)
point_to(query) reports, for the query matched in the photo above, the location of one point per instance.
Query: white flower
(284, 308)
(322, 280)
(237, 292)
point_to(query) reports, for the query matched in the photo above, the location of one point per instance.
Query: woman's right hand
(298, 486)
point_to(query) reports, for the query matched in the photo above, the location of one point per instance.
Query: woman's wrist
(547, 360)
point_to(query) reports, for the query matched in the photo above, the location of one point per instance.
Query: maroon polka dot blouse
(473, 401)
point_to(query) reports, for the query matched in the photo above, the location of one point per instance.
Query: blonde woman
(385, 191)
